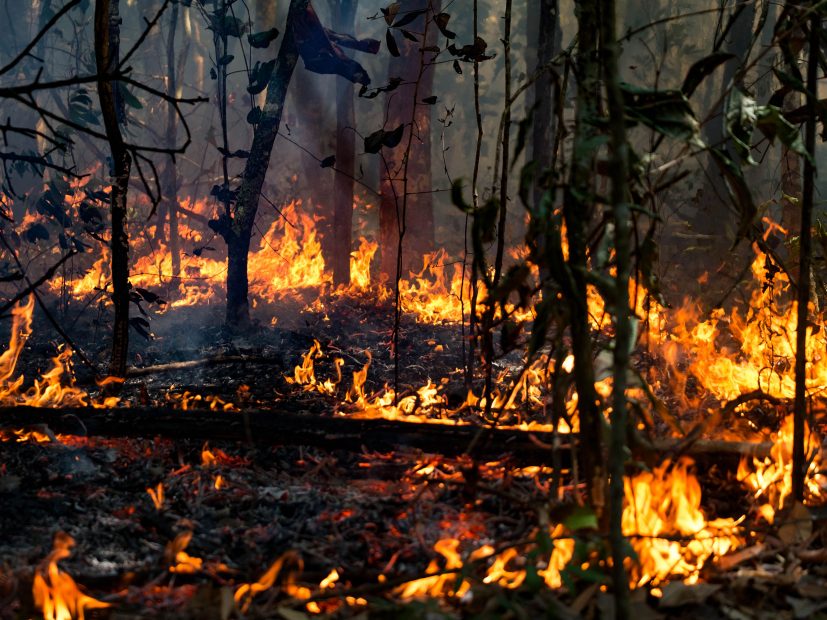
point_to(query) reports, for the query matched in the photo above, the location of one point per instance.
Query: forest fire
(342, 310)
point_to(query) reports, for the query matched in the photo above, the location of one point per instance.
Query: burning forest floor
(166, 524)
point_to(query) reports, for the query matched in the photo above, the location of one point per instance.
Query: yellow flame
(55, 592)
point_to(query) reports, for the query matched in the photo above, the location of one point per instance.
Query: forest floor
(232, 509)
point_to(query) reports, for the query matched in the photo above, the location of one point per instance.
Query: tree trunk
(400, 110)
(548, 45)
(345, 161)
(171, 170)
(238, 230)
(107, 44)
(578, 207)
(621, 216)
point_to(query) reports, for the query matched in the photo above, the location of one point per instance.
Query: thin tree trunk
(800, 407)
(171, 171)
(577, 212)
(238, 231)
(402, 107)
(107, 45)
(621, 215)
(345, 160)
(548, 45)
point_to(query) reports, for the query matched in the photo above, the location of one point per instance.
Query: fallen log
(314, 428)
(216, 360)
(279, 427)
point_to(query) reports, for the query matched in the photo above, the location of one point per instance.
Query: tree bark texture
(400, 107)
(345, 161)
(107, 44)
(238, 230)
(578, 212)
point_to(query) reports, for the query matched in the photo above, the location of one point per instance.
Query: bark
(621, 215)
(345, 161)
(238, 229)
(107, 44)
(549, 36)
(578, 207)
(805, 259)
(171, 171)
(400, 110)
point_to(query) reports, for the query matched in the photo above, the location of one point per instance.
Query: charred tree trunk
(171, 170)
(578, 208)
(345, 161)
(401, 108)
(238, 229)
(621, 215)
(548, 37)
(107, 46)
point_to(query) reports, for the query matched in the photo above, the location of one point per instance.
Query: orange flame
(55, 592)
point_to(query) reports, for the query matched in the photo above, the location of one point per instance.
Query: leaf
(393, 138)
(581, 518)
(141, 326)
(262, 39)
(390, 12)
(678, 594)
(35, 232)
(457, 68)
(430, 100)
(260, 76)
(228, 25)
(739, 191)
(409, 35)
(666, 111)
(740, 116)
(129, 99)
(375, 141)
(441, 22)
(225, 60)
(328, 162)
(393, 48)
(254, 115)
(701, 69)
(773, 124)
(408, 17)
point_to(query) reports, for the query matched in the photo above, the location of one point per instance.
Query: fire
(178, 559)
(771, 478)
(157, 496)
(668, 530)
(55, 388)
(305, 374)
(55, 592)
(245, 592)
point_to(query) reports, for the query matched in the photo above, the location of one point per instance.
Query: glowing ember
(55, 592)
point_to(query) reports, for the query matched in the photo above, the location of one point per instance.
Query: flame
(771, 478)
(55, 388)
(55, 592)
(178, 559)
(245, 592)
(157, 496)
(305, 374)
(667, 529)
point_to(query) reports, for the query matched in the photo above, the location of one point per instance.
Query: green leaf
(666, 111)
(129, 99)
(740, 116)
(262, 39)
(772, 124)
(581, 518)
